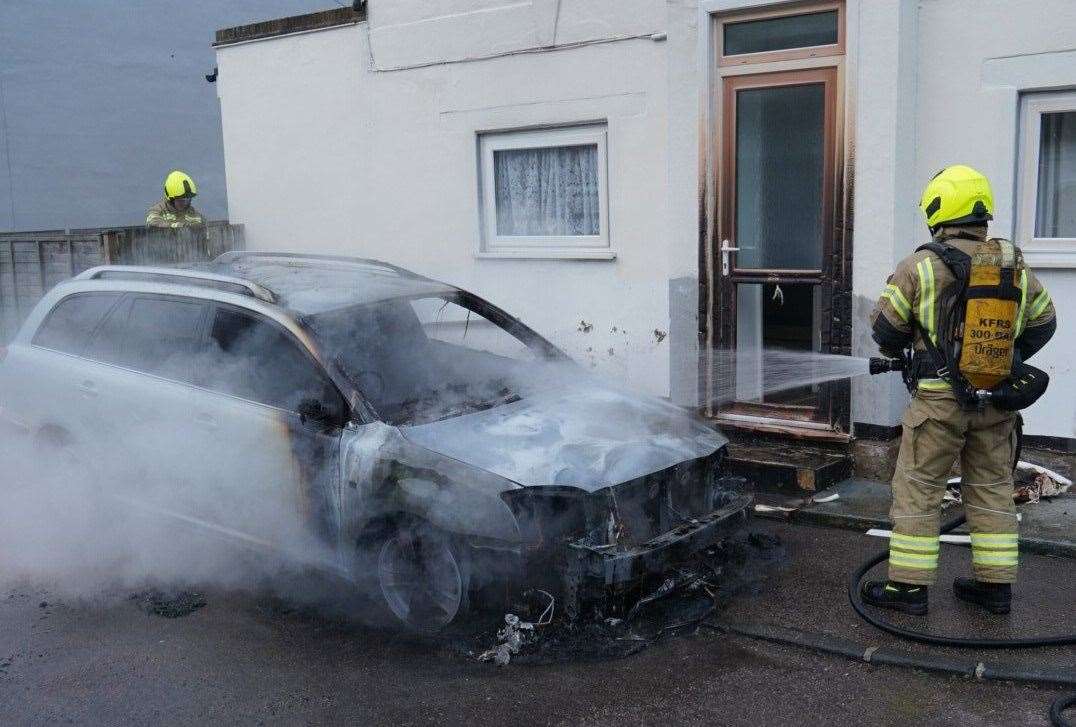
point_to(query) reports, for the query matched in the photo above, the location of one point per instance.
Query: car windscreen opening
(424, 359)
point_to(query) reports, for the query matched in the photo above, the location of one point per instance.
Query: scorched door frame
(836, 287)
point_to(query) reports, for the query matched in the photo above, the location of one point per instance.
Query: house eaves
(320, 20)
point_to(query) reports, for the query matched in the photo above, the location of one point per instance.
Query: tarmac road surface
(243, 660)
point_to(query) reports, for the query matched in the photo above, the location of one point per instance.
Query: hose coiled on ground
(1059, 705)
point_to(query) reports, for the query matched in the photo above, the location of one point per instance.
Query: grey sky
(101, 98)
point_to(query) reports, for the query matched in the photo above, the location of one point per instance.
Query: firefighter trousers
(935, 432)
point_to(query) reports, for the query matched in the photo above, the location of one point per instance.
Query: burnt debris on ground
(681, 602)
(169, 604)
(539, 629)
(738, 565)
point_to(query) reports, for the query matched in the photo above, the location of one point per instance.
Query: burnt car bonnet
(588, 438)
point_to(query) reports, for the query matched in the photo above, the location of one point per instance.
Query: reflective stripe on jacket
(163, 214)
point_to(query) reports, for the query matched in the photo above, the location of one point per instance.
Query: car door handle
(88, 388)
(205, 421)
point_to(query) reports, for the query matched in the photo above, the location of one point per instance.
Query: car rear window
(72, 321)
(156, 335)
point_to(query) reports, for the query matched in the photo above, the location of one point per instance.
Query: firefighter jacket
(915, 293)
(164, 214)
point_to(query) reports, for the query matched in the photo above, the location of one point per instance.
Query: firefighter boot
(994, 597)
(905, 597)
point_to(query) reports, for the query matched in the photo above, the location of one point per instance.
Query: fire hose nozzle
(885, 365)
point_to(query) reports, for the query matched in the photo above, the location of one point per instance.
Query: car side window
(154, 334)
(253, 358)
(72, 320)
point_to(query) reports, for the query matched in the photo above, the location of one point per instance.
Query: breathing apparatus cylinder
(976, 333)
(991, 312)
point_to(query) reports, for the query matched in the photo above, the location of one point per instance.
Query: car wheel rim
(420, 581)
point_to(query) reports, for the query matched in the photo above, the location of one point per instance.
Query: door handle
(205, 421)
(88, 388)
(725, 249)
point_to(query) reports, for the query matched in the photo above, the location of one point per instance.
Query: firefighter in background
(961, 287)
(175, 210)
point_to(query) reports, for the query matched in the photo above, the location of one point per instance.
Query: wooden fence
(33, 262)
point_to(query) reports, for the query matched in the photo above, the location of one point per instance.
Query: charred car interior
(429, 445)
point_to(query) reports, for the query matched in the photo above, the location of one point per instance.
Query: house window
(1047, 176)
(1055, 206)
(781, 33)
(784, 33)
(544, 193)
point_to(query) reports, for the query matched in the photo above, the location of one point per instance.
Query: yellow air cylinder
(990, 317)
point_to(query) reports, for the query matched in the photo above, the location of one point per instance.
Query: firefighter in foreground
(966, 314)
(175, 210)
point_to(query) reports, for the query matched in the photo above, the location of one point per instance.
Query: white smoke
(87, 532)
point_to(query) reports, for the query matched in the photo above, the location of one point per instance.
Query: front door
(776, 245)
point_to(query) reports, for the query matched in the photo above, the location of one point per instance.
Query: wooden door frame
(726, 284)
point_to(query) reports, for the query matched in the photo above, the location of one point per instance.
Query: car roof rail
(237, 255)
(225, 283)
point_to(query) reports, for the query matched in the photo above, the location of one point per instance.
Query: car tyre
(422, 577)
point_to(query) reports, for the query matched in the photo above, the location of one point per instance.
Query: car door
(274, 471)
(48, 384)
(142, 399)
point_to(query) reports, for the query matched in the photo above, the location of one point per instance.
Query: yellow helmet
(957, 195)
(179, 184)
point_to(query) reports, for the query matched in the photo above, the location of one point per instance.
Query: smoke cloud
(88, 534)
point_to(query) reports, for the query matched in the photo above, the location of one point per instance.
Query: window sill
(1049, 257)
(546, 255)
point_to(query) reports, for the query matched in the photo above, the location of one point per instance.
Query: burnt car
(378, 423)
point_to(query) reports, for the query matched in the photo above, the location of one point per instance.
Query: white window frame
(1043, 251)
(587, 247)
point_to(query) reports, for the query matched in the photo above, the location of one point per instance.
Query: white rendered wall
(883, 81)
(324, 153)
(686, 94)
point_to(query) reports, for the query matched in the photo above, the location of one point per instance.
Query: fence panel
(162, 246)
(31, 263)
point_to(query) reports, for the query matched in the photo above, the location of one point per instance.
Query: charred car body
(427, 440)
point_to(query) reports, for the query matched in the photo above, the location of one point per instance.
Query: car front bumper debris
(611, 566)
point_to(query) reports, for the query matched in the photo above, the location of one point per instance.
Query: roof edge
(319, 20)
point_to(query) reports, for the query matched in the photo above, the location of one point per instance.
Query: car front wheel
(421, 577)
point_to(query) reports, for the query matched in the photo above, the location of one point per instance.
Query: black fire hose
(1058, 708)
(1059, 705)
(935, 639)
(903, 365)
